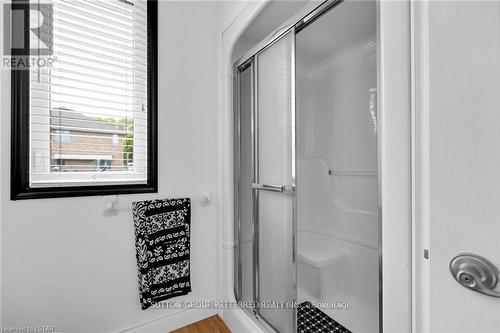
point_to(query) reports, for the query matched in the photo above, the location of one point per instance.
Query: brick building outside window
(82, 143)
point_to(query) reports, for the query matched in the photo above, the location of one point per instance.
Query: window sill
(81, 191)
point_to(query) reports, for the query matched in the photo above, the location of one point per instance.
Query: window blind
(88, 111)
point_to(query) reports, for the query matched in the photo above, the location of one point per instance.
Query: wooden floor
(210, 325)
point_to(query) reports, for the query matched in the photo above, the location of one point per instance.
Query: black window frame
(20, 137)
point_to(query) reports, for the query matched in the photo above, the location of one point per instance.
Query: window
(62, 136)
(86, 124)
(102, 165)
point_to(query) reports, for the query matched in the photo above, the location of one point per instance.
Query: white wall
(64, 264)
(228, 12)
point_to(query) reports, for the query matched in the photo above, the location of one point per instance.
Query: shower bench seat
(318, 258)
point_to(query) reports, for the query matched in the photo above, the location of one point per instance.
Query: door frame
(421, 165)
(395, 158)
(395, 161)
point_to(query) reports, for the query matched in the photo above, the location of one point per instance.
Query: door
(274, 174)
(244, 218)
(338, 218)
(464, 160)
(265, 184)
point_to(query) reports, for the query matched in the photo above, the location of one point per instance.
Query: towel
(162, 229)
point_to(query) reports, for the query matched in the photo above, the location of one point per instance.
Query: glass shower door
(338, 203)
(244, 215)
(274, 186)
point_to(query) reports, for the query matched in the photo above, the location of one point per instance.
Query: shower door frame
(250, 59)
(287, 189)
(395, 66)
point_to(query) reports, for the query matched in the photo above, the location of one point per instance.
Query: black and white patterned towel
(162, 242)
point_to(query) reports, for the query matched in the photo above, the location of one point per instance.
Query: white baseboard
(171, 322)
(239, 322)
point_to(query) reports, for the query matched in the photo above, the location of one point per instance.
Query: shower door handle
(274, 188)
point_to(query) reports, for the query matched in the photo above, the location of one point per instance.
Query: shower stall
(307, 203)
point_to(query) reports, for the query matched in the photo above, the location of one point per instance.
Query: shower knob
(476, 273)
